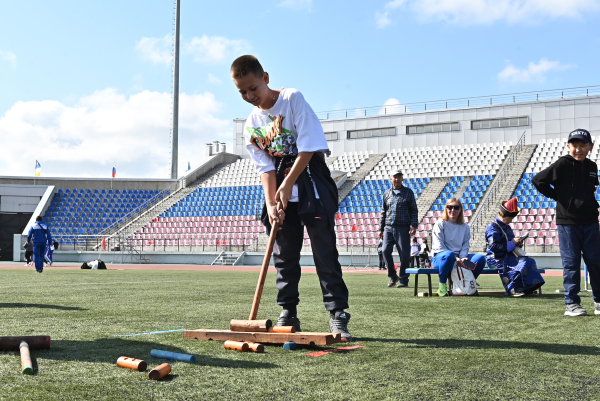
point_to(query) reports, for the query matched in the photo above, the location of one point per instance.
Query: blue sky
(85, 84)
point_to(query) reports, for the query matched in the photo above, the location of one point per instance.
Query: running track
(61, 266)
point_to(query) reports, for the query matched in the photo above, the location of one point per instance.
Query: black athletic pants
(286, 256)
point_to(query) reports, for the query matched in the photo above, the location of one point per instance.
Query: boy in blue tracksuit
(572, 181)
(41, 236)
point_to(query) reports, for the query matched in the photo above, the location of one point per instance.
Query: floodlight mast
(175, 114)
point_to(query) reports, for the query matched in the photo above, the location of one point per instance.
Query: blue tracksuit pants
(444, 261)
(577, 240)
(39, 250)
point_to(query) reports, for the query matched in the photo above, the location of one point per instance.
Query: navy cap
(581, 134)
(397, 172)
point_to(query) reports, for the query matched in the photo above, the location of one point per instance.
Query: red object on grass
(329, 351)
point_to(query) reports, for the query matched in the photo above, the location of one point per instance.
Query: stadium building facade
(541, 115)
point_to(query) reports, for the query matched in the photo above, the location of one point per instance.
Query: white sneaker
(576, 310)
(596, 308)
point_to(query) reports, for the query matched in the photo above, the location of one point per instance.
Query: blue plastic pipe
(156, 353)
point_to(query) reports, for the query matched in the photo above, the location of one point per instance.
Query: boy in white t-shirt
(285, 140)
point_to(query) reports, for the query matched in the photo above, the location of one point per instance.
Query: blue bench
(436, 272)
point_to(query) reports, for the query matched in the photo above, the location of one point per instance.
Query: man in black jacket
(572, 182)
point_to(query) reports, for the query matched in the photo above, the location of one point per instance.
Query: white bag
(463, 282)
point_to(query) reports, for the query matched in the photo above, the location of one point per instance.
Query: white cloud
(156, 50)
(297, 4)
(215, 49)
(9, 56)
(214, 80)
(382, 19)
(393, 105)
(475, 12)
(535, 72)
(106, 126)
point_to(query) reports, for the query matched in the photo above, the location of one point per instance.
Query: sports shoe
(393, 281)
(40, 271)
(286, 320)
(575, 310)
(338, 323)
(402, 285)
(517, 294)
(596, 308)
(443, 290)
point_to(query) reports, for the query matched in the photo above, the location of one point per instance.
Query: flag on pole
(103, 243)
(38, 168)
(189, 167)
(114, 172)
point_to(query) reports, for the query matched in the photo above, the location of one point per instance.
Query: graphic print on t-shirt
(274, 139)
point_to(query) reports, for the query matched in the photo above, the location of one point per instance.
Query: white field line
(110, 283)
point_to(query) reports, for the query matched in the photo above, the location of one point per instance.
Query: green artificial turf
(472, 348)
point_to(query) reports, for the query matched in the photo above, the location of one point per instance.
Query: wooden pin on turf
(24, 344)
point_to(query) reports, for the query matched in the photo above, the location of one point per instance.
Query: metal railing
(221, 242)
(489, 200)
(478, 101)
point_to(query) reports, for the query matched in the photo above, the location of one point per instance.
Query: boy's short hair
(39, 218)
(245, 65)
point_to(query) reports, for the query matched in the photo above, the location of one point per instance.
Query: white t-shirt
(288, 128)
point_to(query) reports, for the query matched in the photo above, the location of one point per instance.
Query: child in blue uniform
(40, 235)
(519, 274)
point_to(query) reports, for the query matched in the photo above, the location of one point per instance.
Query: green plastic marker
(26, 366)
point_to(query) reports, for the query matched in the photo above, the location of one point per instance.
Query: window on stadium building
(427, 128)
(500, 123)
(370, 133)
(331, 136)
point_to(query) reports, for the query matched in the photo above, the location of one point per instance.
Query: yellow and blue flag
(38, 168)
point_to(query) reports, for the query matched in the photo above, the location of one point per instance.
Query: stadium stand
(349, 162)
(443, 161)
(86, 212)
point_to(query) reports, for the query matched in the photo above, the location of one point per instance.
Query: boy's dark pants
(28, 256)
(286, 256)
(575, 240)
(399, 236)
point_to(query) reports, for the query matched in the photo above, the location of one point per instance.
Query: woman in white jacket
(451, 236)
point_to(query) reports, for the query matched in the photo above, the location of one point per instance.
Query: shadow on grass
(558, 349)
(40, 306)
(108, 350)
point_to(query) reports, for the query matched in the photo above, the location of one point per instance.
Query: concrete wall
(213, 161)
(547, 119)
(20, 198)
(544, 261)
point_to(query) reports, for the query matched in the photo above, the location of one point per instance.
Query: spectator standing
(398, 223)
(380, 253)
(40, 235)
(28, 253)
(424, 254)
(571, 181)
(415, 248)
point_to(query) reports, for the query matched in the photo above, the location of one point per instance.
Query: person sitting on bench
(450, 244)
(519, 273)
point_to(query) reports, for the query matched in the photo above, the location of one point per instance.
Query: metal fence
(493, 192)
(489, 100)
